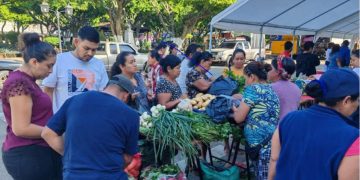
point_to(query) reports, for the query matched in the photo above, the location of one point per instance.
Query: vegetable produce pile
(166, 172)
(239, 79)
(201, 101)
(176, 130)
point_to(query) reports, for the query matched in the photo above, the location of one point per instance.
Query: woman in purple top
(27, 109)
(288, 93)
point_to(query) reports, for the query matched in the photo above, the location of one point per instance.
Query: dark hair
(120, 60)
(191, 49)
(330, 45)
(237, 50)
(154, 45)
(288, 45)
(256, 68)
(172, 46)
(169, 61)
(288, 65)
(32, 47)
(356, 53)
(89, 33)
(335, 48)
(161, 45)
(308, 45)
(313, 89)
(198, 56)
(155, 54)
(345, 43)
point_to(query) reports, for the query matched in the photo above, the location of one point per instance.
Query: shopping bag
(219, 173)
(224, 86)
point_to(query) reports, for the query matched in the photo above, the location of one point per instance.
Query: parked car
(108, 51)
(223, 53)
(6, 66)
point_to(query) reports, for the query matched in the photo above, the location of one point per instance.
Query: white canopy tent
(322, 18)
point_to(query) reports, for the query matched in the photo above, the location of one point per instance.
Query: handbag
(253, 152)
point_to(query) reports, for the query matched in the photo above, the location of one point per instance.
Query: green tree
(116, 11)
(85, 12)
(178, 17)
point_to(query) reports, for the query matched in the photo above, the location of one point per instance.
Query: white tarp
(325, 18)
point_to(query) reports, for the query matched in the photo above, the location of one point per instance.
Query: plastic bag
(219, 108)
(185, 104)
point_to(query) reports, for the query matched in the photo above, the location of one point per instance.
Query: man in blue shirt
(344, 54)
(101, 132)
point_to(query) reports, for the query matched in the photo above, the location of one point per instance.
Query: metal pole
(261, 39)
(210, 41)
(293, 41)
(59, 31)
(314, 41)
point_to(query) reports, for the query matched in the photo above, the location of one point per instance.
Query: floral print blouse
(263, 116)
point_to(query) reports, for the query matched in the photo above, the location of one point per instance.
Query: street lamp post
(68, 10)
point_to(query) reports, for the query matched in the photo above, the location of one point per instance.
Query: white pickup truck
(223, 53)
(108, 51)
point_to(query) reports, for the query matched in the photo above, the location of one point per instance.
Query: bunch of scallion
(172, 130)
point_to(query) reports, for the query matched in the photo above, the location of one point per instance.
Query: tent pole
(261, 39)
(293, 42)
(314, 41)
(210, 41)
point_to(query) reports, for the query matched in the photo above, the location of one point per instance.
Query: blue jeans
(33, 162)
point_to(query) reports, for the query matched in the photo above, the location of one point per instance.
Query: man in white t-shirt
(77, 71)
(184, 67)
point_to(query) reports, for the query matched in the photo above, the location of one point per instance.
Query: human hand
(150, 95)
(235, 109)
(237, 96)
(184, 96)
(134, 95)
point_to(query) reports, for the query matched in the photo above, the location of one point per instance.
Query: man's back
(306, 64)
(344, 56)
(99, 130)
(72, 76)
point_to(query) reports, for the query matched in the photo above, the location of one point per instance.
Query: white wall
(11, 26)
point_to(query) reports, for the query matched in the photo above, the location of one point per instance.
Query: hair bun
(313, 89)
(28, 39)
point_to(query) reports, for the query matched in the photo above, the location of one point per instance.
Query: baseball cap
(123, 82)
(338, 83)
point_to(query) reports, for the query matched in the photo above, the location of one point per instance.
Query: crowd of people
(85, 125)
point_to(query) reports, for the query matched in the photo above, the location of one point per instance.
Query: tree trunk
(117, 20)
(138, 27)
(47, 29)
(3, 27)
(18, 27)
(41, 29)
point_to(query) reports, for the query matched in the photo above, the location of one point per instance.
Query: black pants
(33, 162)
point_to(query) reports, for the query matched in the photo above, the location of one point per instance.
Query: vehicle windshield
(227, 45)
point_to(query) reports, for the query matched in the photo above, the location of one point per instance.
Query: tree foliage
(177, 17)
(29, 12)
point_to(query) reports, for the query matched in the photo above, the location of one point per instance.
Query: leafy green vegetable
(239, 79)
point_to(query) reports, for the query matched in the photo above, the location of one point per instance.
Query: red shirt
(286, 54)
(155, 73)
